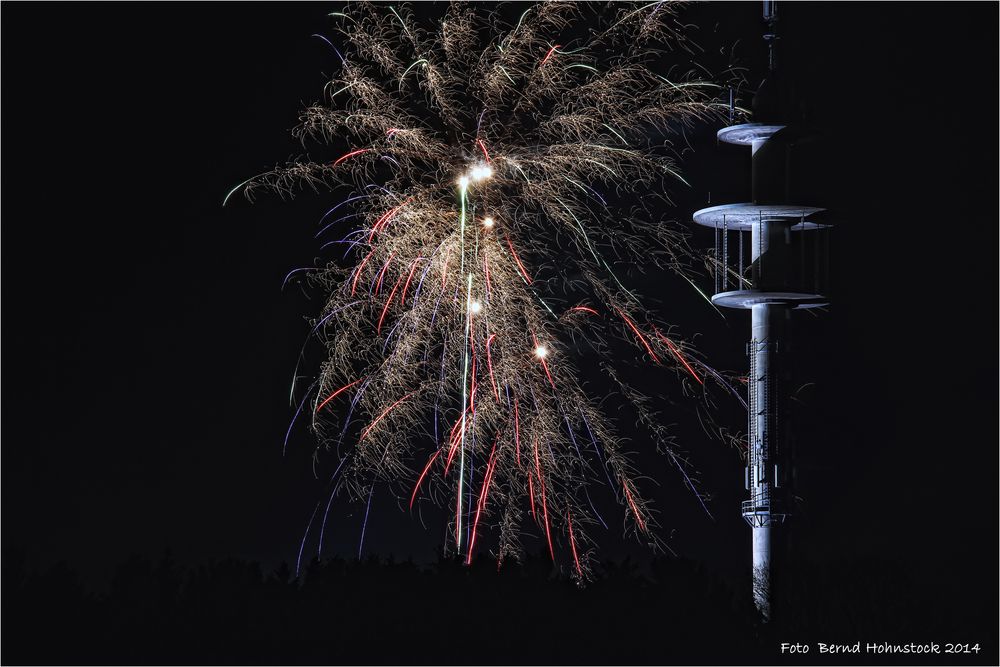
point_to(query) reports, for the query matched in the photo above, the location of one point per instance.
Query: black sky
(148, 346)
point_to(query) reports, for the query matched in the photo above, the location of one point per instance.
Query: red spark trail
(349, 155)
(584, 309)
(336, 394)
(453, 439)
(545, 507)
(572, 544)
(388, 302)
(384, 220)
(489, 365)
(639, 335)
(357, 272)
(635, 510)
(545, 514)
(491, 466)
(517, 259)
(389, 409)
(422, 475)
(680, 357)
(487, 478)
(483, 147)
(413, 267)
(531, 497)
(381, 274)
(452, 449)
(545, 366)
(549, 54)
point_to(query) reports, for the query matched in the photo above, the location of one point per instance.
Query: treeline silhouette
(386, 612)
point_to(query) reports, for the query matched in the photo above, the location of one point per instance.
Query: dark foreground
(378, 612)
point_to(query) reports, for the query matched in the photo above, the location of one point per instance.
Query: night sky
(149, 347)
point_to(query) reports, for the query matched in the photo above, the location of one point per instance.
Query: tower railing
(763, 513)
(804, 267)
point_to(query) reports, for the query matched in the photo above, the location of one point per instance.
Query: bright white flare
(463, 182)
(475, 307)
(487, 222)
(541, 351)
(481, 172)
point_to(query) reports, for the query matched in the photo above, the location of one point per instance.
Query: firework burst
(497, 172)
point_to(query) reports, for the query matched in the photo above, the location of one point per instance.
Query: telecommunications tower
(780, 266)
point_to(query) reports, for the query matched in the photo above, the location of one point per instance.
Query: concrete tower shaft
(765, 511)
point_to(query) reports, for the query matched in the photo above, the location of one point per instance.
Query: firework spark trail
(335, 394)
(484, 492)
(305, 536)
(545, 506)
(349, 155)
(597, 449)
(298, 411)
(292, 272)
(326, 512)
(680, 357)
(586, 493)
(329, 225)
(385, 412)
(572, 544)
(364, 524)
(420, 480)
(480, 163)
(295, 374)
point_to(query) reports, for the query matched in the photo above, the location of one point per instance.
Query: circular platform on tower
(743, 217)
(751, 298)
(747, 133)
